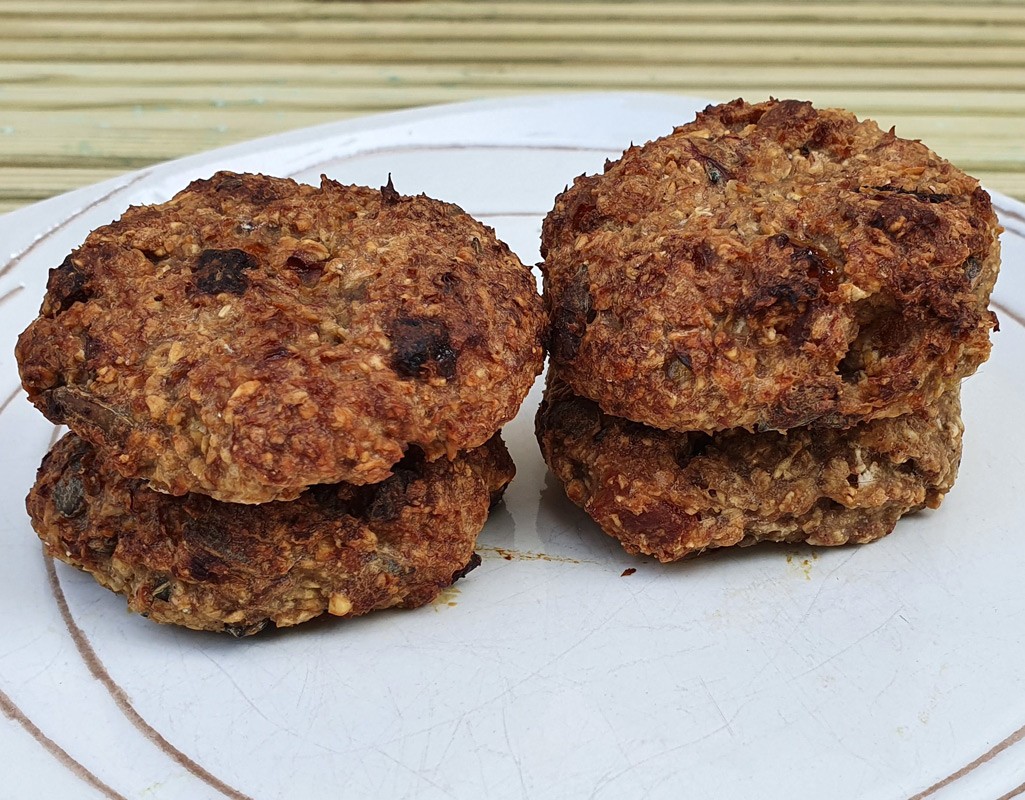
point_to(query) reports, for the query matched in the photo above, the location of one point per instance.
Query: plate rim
(86, 199)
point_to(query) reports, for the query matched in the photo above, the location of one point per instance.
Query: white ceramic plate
(889, 671)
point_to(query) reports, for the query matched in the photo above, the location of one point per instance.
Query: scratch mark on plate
(718, 708)
(246, 697)
(610, 777)
(816, 714)
(855, 643)
(418, 775)
(512, 752)
(807, 612)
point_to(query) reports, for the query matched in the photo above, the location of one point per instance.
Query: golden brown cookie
(672, 495)
(254, 336)
(770, 266)
(208, 565)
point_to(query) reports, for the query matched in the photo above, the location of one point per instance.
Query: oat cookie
(672, 495)
(770, 266)
(254, 336)
(208, 565)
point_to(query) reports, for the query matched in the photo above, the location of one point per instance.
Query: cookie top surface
(770, 266)
(254, 336)
(208, 565)
(673, 495)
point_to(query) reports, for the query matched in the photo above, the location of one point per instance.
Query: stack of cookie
(283, 399)
(759, 327)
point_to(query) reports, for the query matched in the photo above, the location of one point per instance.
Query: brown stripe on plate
(1020, 319)
(17, 258)
(484, 214)
(9, 399)
(994, 751)
(1019, 734)
(436, 148)
(1013, 214)
(9, 294)
(12, 712)
(1017, 791)
(120, 697)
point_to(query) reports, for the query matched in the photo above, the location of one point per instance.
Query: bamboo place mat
(93, 88)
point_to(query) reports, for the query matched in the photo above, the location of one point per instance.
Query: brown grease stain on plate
(526, 555)
(447, 596)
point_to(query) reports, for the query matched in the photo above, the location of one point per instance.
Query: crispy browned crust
(208, 565)
(254, 336)
(672, 495)
(770, 266)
